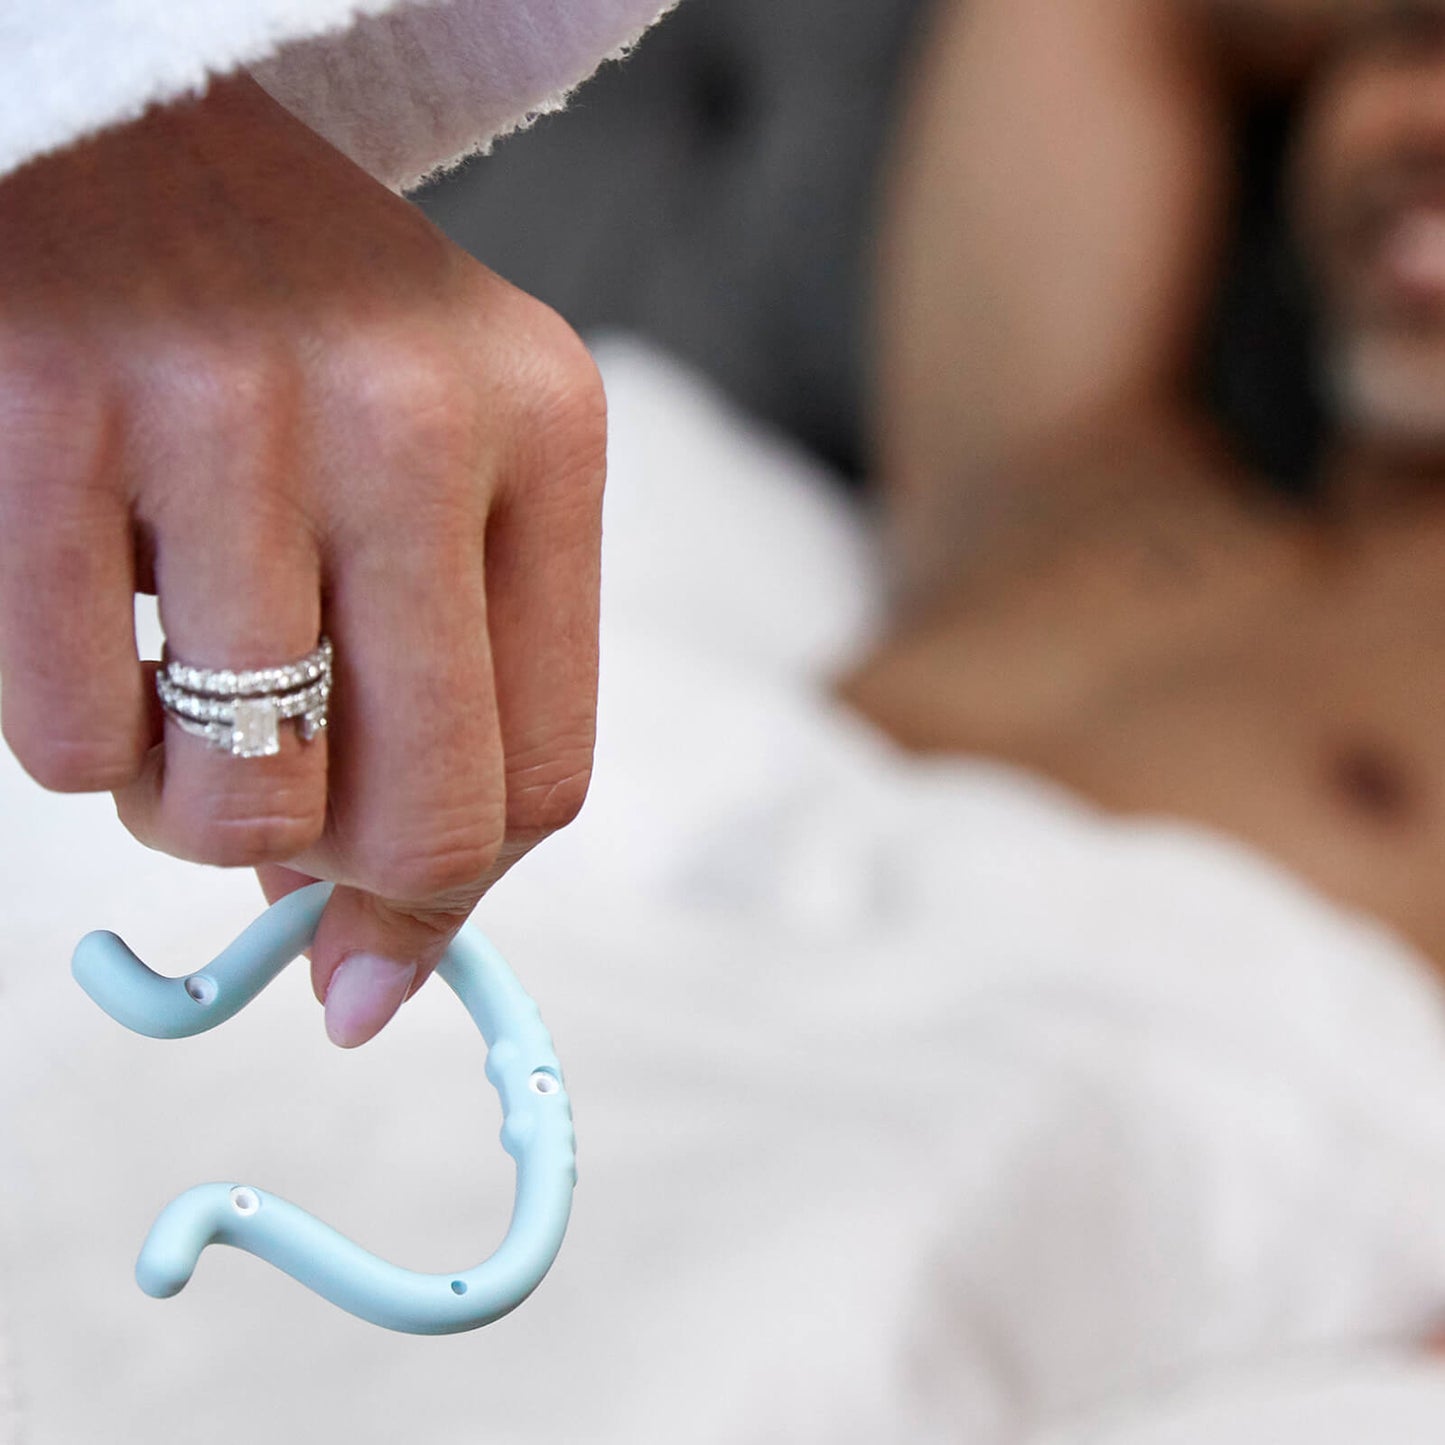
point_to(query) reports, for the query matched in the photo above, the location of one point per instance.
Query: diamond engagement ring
(240, 711)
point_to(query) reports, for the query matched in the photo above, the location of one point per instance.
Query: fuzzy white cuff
(403, 89)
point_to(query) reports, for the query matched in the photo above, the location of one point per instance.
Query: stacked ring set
(241, 712)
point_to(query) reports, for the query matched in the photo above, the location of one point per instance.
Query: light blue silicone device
(521, 1063)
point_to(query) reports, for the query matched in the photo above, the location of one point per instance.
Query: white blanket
(402, 88)
(915, 1102)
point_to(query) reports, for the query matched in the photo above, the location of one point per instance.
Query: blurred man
(1090, 583)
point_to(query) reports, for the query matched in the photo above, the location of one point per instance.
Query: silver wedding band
(241, 711)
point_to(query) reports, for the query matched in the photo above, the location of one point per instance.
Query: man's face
(1370, 192)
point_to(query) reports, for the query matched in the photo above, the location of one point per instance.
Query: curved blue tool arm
(521, 1063)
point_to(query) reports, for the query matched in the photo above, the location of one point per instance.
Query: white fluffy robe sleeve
(403, 89)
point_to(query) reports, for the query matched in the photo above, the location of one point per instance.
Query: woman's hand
(237, 372)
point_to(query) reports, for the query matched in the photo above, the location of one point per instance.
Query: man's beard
(1387, 390)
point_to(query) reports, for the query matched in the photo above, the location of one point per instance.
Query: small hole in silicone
(201, 988)
(459, 1286)
(544, 1081)
(246, 1201)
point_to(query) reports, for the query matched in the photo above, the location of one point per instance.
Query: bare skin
(236, 371)
(1089, 585)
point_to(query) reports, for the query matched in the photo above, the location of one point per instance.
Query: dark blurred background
(715, 193)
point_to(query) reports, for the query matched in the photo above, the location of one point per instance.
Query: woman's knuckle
(42, 395)
(561, 432)
(569, 387)
(441, 871)
(62, 763)
(441, 865)
(238, 389)
(54, 413)
(409, 395)
(548, 794)
(260, 834)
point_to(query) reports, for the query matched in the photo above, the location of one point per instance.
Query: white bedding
(915, 1102)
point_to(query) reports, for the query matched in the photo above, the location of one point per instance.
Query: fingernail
(364, 993)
